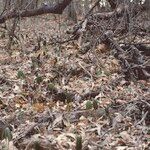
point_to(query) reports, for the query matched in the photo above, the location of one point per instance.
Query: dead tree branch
(45, 9)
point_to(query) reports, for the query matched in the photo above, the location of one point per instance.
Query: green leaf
(7, 134)
(51, 87)
(20, 74)
(89, 105)
(68, 97)
(39, 79)
(79, 143)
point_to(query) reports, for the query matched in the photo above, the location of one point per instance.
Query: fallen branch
(27, 132)
(45, 9)
(133, 63)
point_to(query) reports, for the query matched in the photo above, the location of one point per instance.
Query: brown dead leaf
(125, 136)
(39, 107)
(102, 48)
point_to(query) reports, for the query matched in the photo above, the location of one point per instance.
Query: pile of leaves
(52, 96)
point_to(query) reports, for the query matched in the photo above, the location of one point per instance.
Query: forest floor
(56, 98)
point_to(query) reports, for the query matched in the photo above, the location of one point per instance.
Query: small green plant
(68, 97)
(7, 134)
(39, 79)
(37, 145)
(79, 143)
(51, 87)
(89, 105)
(20, 115)
(20, 74)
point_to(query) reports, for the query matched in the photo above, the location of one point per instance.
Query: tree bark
(147, 6)
(72, 12)
(86, 6)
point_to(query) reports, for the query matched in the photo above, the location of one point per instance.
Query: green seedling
(20, 74)
(79, 143)
(89, 105)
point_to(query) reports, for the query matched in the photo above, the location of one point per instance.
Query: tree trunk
(86, 6)
(72, 12)
(147, 7)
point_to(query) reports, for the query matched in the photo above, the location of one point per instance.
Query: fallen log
(57, 8)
